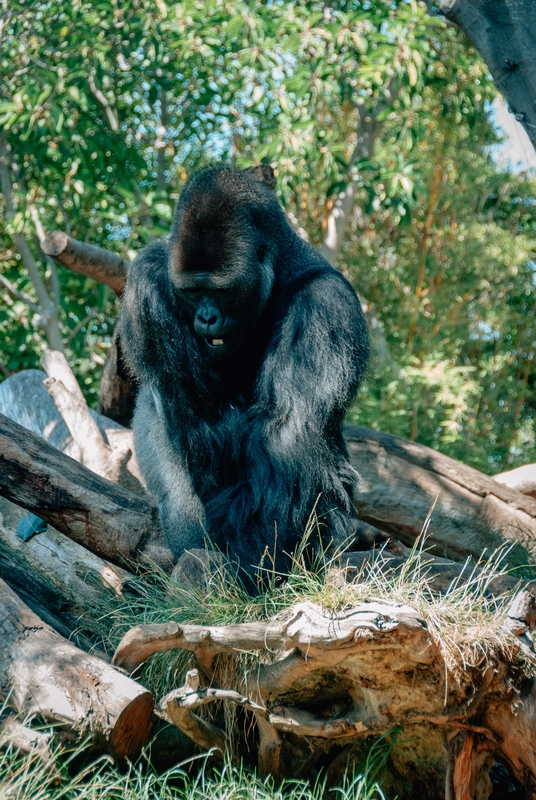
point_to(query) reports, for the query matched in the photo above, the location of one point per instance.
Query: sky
(517, 151)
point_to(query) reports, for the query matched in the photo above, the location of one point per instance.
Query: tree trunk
(504, 32)
(118, 391)
(402, 483)
(43, 674)
(100, 515)
(62, 582)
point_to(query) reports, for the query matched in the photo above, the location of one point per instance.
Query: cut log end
(133, 727)
(55, 243)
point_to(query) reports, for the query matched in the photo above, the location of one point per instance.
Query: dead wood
(334, 679)
(400, 482)
(440, 573)
(106, 518)
(46, 675)
(118, 391)
(63, 583)
(87, 259)
(109, 460)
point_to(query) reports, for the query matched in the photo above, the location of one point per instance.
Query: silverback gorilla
(248, 348)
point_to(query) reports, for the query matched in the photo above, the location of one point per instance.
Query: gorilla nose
(208, 321)
(209, 318)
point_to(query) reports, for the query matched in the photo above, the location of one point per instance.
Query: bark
(107, 519)
(46, 675)
(440, 573)
(402, 482)
(62, 582)
(87, 259)
(118, 391)
(523, 479)
(504, 32)
(105, 459)
(323, 682)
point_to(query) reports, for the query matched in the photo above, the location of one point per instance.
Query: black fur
(238, 441)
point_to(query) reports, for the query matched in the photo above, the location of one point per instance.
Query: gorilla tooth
(217, 342)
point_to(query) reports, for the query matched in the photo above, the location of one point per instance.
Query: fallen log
(43, 674)
(401, 481)
(62, 582)
(441, 574)
(322, 682)
(102, 516)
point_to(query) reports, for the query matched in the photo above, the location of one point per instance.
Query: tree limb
(48, 318)
(87, 259)
(504, 32)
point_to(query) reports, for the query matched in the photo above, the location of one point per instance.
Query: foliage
(106, 109)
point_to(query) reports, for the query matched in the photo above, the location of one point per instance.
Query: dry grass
(466, 621)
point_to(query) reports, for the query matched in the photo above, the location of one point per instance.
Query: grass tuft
(26, 777)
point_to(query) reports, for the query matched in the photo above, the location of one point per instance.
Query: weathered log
(46, 675)
(87, 259)
(400, 482)
(106, 518)
(21, 737)
(523, 479)
(118, 390)
(115, 460)
(62, 582)
(334, 679)
(25, 399)
(440, 573)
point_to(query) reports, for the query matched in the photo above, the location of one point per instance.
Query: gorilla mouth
(217, 344)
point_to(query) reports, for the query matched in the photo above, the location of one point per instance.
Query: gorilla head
(222, 257)
(248, 347)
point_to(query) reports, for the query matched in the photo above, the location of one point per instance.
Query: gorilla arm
(166, 476)
(307, 383)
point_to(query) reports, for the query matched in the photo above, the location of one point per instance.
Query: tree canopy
(369, 108)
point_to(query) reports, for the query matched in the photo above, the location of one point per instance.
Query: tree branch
(103, 100)
(505, 35)
(48, 318)
(19, 295)
(87, 259)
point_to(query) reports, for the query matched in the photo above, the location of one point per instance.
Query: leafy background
(107, 108)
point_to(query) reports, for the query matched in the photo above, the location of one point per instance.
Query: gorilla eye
(261, 253)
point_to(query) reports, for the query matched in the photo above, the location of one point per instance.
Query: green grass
(27, 778)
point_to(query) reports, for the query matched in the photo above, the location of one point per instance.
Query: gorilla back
(248, 347)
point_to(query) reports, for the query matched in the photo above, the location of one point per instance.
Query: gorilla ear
(264, 173)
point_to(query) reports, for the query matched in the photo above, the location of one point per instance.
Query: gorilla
(248, 348)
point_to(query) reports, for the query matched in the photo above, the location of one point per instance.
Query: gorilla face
(224, 279)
